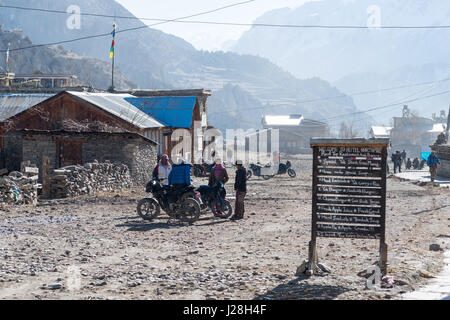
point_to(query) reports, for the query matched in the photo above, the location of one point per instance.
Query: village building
(380, 132)
(415, 134)
(77, 127)
(177, 109)
(295, 131)
(38, 80)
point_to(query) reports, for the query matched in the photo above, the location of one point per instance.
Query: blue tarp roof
(174, 112)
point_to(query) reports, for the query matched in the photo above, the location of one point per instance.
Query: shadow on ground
(141, 225)
(299, 289)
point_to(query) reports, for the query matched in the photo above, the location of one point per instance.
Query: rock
(324, 268)
(426, 274)
(53, 286)
(435, 247)
(301, 269)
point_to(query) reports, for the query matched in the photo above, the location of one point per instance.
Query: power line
(389, 105)
(347, 95)
(124, 17)
(120, 31)
(180, 20)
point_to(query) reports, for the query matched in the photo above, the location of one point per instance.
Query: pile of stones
(19, 188)
(92, 177)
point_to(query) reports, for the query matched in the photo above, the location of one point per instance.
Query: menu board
(349, 191)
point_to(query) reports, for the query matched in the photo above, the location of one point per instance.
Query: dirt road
(98, 248)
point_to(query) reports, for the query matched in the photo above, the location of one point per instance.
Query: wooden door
(69, 152)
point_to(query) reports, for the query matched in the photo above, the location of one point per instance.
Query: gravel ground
(98, 248)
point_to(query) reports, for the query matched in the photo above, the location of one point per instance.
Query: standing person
(162, 169)
(433, 162)
(397, 158)
(218, 173)
(240, 185)
(403, 155)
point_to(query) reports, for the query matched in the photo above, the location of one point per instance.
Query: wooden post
(383, 245)
(313, 258)
(46, 181)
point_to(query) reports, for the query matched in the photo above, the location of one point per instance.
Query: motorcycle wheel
(221, 210)
(292, 173)
(267, 177)
(148, 209)
(190, 211)
(249, 174)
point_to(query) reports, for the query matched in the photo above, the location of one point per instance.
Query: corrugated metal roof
(381, 131)
(438, 128)
(283, 120)
(174, 112)
(12, 104)
(118, 105)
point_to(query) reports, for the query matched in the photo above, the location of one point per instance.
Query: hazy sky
(208, 37)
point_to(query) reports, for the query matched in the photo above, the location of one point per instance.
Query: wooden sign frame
(349, 193)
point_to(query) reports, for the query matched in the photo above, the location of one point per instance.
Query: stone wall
(138, 154)
(74, 181)
(443, 152)
(20, 187)
(35, 150)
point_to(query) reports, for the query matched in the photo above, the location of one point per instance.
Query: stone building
(65, 148)
(295, 131)
(77, 127)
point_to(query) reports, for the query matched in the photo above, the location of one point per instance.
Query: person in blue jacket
(180, 175)
(433, 162)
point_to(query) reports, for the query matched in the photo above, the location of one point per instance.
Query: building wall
(12, 152)
(137, 153)
(35, 150)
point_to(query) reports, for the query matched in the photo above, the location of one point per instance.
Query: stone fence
(92, 177)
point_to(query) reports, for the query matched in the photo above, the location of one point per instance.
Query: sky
(206, 37)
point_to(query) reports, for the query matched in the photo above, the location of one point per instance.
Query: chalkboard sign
(349, 191)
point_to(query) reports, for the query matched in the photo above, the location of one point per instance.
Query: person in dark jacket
(240, 185)
(397, 162)
(218, 173)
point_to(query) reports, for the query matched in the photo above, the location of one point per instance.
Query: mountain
(356, 60)
(57, 60)
(153, 59)
(334, 53)
(410, 83)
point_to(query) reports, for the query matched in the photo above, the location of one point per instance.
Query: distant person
(440, 139)
(408, 164)
(416, 163)
(162, 169)
(240, 185)
(433, 162)
(403, 156)
(397, 162)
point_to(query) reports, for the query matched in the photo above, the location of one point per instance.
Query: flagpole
(113, 56)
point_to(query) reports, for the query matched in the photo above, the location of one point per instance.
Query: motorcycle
(286, 168)
(178, 203)
(214, 198)
(202, 170)
(266, 172)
